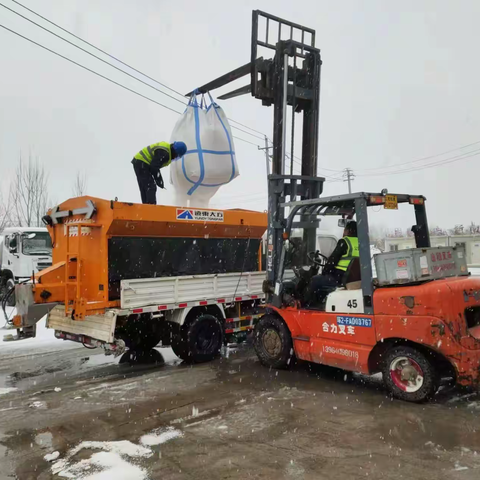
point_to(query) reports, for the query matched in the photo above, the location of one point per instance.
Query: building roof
(8, 230)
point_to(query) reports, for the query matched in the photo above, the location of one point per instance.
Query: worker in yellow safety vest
(336, 266)
(345, 251)
(147, 164)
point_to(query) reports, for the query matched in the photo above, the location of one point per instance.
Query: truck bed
(168, 291)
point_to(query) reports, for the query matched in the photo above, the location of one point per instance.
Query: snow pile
(5, 390)
(50, 457)
(157, 437)
(107, 464)
(113, 461)
(44, 339)
(103, 466)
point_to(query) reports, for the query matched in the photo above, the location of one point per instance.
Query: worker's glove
(159, 180)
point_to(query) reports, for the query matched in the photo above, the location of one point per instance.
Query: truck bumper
(98, 327)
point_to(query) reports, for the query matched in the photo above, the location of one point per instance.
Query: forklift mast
(290, 79)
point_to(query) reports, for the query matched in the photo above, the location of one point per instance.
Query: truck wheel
(9, 284)
(142, 334)
(409, 375)
(272, 342)
(199, 340)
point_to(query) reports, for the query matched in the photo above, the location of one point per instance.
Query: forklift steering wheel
(317, 258)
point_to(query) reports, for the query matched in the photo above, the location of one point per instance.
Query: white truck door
(11, 254)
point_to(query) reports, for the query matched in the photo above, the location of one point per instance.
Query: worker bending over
(147, 164)
(334, 271)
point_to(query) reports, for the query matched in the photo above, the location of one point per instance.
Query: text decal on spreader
(199, 215)
(354, 321)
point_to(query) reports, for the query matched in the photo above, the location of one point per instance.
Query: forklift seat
(353, 273)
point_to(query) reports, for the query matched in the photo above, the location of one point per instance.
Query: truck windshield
(39, 244)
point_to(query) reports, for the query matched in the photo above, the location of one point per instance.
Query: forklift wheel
(273, 342)
(409, 375)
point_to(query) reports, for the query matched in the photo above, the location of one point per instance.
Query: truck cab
(23, 251)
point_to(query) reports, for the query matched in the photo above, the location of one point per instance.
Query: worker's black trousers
(146, 182)
(321, 285)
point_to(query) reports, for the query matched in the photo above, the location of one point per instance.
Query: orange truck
(415, 317)
(130, 276)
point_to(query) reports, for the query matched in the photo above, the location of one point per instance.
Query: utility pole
(349, 176)
(267, 155)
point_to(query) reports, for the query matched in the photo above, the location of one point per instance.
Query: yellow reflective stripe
(145, 157)
(349, 247)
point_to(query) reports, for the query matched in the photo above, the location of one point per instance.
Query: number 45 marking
(352, 304)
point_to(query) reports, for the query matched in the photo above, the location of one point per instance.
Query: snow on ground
(5, 390)
(43, 342)
(114, 461)
(157, 437)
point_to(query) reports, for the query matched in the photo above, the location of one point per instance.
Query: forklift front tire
(273, 343)
(409, 375)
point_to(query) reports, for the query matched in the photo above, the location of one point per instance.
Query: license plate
(391, 202)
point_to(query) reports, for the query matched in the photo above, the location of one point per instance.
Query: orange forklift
(417, 319)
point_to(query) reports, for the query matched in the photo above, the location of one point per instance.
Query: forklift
(415, 319)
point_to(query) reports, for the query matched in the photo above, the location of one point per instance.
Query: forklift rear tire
(199, 340)
(409, 375)
(273, 343)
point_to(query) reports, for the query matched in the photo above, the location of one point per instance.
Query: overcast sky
(399, 82)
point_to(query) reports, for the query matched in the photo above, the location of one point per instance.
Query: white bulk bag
(210, 159)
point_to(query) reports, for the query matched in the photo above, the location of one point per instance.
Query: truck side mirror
(342, 222)
(12, 245)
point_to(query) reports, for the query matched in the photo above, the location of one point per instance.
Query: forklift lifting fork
(418, 320)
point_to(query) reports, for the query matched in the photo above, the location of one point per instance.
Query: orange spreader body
(78, 276)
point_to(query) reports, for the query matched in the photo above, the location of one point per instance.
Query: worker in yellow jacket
(147, 164)
(336, 266)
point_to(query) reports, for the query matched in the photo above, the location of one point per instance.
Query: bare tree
(377, 236)
(28, 193)
(5, 213)
(80, 184)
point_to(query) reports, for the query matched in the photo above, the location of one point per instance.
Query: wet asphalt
(238, 419)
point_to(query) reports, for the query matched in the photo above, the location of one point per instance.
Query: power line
(247, 141)
(445, 161)
(419, 159)
(246, 126)
(87, 52)
(300, 165)
(117, 60)
(86, 68)
(93, 46)
(105, 77)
